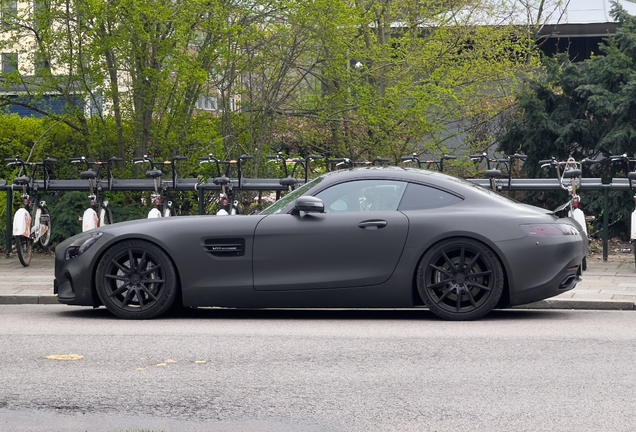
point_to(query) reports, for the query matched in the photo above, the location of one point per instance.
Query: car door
(356, 242)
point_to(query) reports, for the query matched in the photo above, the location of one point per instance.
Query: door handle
(373, 224)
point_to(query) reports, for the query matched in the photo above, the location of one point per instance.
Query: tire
(584, 264)
(634, 250)
(24, 248)
(105, 216)
(460, 266)
(143, 290)
(45, 220)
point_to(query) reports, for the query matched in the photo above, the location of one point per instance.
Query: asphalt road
(222, 370)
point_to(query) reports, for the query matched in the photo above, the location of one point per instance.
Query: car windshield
(293, 195)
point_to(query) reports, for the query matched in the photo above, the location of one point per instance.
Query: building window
(9, 7)
(9, 62)
(206, 103)
(8, 10)
(41, 63)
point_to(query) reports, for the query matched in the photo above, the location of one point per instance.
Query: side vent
(227, 247)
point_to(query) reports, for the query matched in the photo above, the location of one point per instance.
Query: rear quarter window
(420, 197)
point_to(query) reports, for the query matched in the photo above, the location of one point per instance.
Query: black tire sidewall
(483, 309)
(167, 296)
(25, 260)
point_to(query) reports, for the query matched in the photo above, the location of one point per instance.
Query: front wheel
(24, 248)
(460, 279)
(45, 228)
(135, 279)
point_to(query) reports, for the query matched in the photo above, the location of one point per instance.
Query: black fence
(247, 184)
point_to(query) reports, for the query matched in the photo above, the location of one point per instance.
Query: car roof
(403, 173)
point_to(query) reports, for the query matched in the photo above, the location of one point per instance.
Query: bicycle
(569, 174)
(290, 180)
(349, 163)
(160, 197)
(493, 171)
(226, 200)
(99, 213)
(439, 164)
(32, 222)
(630, 167)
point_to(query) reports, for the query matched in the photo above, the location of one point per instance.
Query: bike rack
(256, 184)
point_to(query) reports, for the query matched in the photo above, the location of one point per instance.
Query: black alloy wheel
(460, 279)
(24, 248)
(135, 279)
(45, 228)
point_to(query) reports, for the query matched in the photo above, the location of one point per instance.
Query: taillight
(548, 230)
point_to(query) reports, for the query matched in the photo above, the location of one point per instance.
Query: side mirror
(309, 204)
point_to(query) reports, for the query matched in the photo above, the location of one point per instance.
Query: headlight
(549, 230)
(81, 245)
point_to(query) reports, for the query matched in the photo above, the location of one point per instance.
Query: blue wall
(49, 103)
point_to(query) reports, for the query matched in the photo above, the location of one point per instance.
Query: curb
(580, 305)
(28, 299)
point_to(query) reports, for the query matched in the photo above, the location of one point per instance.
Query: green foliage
(584, 110)
(66, 212)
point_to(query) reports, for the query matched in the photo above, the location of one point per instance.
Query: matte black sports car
(364, 238)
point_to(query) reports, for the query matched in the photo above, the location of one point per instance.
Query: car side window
(420, 197)
(363, 196)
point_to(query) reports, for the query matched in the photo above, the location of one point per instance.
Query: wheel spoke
(119, 290)
(471, 298)
(131, 259)
(117, 277)
(148, 293)
(128, 298)
(142, 260)
(443, 270)
(480, 274)
(462, 259)
(438, 284)
(449, 261)
(480, 286)
(474, 260)
(458, 303)
(446, 294)
(140, 298)
(151, 270)
(121, 267)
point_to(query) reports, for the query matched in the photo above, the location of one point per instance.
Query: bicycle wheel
(105, 216)
(24, 248)
(45, 228)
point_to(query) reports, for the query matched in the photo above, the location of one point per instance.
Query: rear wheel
(460, 279)
(24, 248)
(45, 228)
(136, 280)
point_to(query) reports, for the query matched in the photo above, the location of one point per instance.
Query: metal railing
(193, 184)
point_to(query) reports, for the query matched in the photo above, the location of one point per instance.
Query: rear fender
(22, 223)
(89, 220)
(154, 213)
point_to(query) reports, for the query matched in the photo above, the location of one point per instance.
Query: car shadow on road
(419, 314)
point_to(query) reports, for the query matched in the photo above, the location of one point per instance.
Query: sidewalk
(607, 284)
